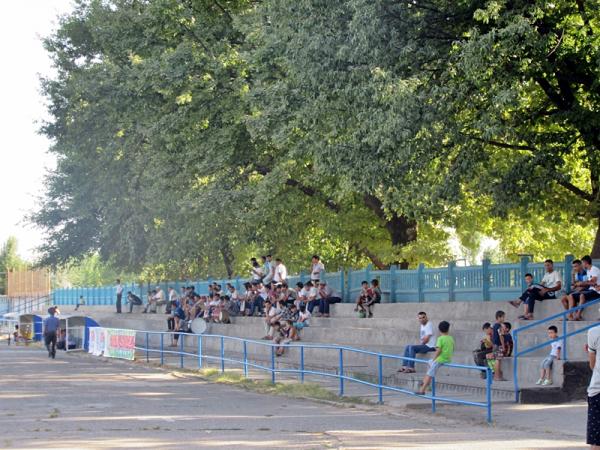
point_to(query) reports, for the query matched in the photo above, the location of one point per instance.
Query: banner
(119, 343)
(112, 342)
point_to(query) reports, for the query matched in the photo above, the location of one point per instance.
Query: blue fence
(303, 366)
(487, 282)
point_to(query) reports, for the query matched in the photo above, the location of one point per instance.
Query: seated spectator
(133, 300)
(150, 306)
(374, 299)
(80, 302)
(260, 296)
(327, 297)
(272, 316)
(286, 334)
(548, 362)
(288, 295)
(443, 355)
(546, 289)
(159, 298)
(303, 318)
(63, 343)
(589, 291)
(246, 300)
(484, 349)
(301, 299)
(578, 278)
(310, 293)
(365, 296)
(426, 343)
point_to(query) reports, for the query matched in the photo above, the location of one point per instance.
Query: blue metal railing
(26, 305)
(565, 336)
(487, 282)
(302, 369)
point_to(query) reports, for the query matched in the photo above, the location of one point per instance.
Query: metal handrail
(302, 370)
(564, 338)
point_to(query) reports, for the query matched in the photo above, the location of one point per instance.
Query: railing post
(302, 364)
(421, 283)
(488, 393)
(393, 270)
(380, 377)
(565, 354)
(222, 354)
(368, 272)
(162, 348)
(342, 283)
(341, 372)
(245, 359)
(524, 264)
(181, 342)
(485, 275)
(199, 351)
(147, 347)
(348, 286)
(567, 276)
(433, 395)
(273, 364)
(451, 281)
(515, 365)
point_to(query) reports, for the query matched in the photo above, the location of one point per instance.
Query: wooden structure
(28, 283)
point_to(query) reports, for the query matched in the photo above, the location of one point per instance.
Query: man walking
(593, 391)
(119, 295)
(51, 330)
(426, 345)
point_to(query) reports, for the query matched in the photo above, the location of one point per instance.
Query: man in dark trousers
(119, 295)
(51, 330)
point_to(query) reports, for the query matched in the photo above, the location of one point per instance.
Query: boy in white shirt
(546, 370)
(590, 290)
(317, 269)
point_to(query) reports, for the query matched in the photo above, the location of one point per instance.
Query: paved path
(82, 402)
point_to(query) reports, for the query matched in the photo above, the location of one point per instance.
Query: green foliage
(90, 271)
(9, 258)
(193, 135)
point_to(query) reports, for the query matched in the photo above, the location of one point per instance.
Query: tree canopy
(193, 135)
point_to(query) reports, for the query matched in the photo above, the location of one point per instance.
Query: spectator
(300, 297)
(589, 291)
(498, 345)
(257, 272)
(529, 283)
(246, 300)
(443, 355)
(172, 296)
(508, 340)
(272, 316)
(268, 269)
(593, 419)
(51, 327)
(310, 294)
(64, 342)
(317, 269)
(550, 284)
(150, 305)
(133, 300)
(327, 296)
(485, 348)
(426, 343)
(159, 298)
(80, 302)
(287, 333)
(303, 318)
(365, 296)
(279, 272)
(548, 362)
(374, 298)
(288, 294)
(119, 289)
(578, 278)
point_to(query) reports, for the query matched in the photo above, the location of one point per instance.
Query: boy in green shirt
(443, 354)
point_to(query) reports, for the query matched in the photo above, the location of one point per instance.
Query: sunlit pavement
(77, 401)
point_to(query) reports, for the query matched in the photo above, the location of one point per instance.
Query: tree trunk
(228, 258)
(596, 248)
(402, 230)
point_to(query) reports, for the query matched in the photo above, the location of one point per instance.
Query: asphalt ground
(79, 401)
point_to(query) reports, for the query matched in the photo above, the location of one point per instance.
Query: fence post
(222, 354)
(162, 347)
(565, 353)
(348, 285)
(433, 395)
(341, 372)
(568, 270)
(421, 282)
(181, 342)
(245, 359)
(380, 378)
(485, 275)
(488, 393)
(273, 364)
(524, 264)
(302, 364)
(342, 280)
(516, 364)
(393, 270)
(199, 351)
(451, 281)
(147, 347)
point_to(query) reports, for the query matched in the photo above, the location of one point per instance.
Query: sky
(25, 157)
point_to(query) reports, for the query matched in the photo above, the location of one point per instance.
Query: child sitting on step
(548, 362)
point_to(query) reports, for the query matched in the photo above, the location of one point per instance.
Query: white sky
(24, 152)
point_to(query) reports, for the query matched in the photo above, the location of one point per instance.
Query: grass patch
(54, 414)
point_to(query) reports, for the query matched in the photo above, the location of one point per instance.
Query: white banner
(112, 342)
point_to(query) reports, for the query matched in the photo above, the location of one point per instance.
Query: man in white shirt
(593, 391)
(590, 291)
(317, 270)
(546, 289)
(280, 272)
(327, 296)
(119, 295)
(310, 293)
(268, 269)
(426, 345)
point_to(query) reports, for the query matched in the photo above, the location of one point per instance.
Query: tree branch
(575, 190)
